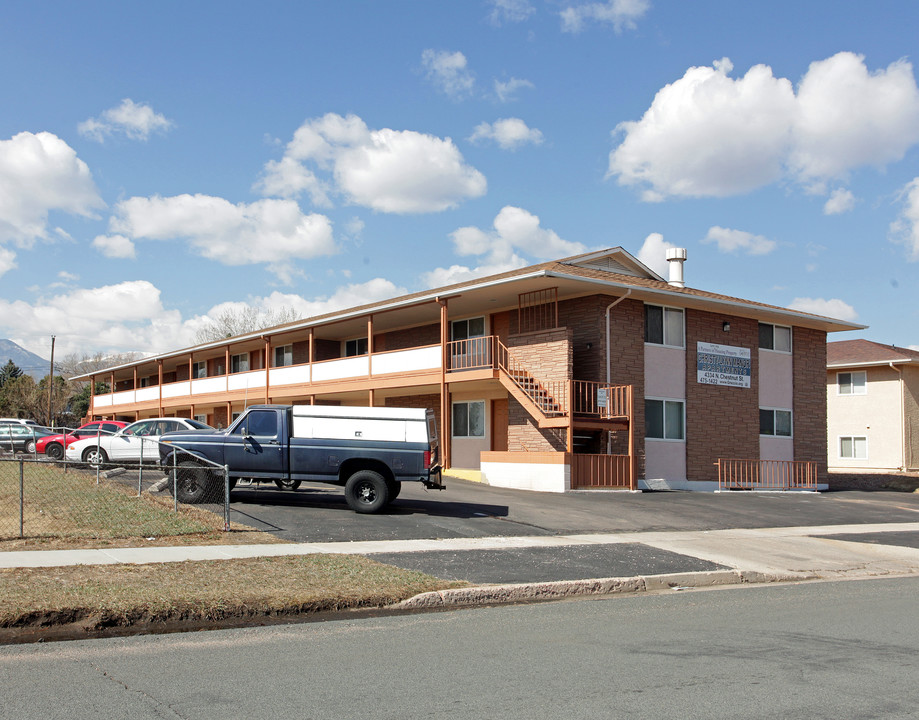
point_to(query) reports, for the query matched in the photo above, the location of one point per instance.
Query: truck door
(257, 447)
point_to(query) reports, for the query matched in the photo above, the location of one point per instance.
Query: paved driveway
(318, 513)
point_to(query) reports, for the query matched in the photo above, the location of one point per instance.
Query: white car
(138, 441)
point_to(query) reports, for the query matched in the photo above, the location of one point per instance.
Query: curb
(526, 592)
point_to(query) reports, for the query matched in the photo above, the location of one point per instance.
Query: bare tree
(234, 322)
(80, 364)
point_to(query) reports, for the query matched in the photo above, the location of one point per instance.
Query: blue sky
(161, 162)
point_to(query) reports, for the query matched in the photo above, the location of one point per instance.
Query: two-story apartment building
(872, 406)
(590, 371)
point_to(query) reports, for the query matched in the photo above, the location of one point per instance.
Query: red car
(53, 446)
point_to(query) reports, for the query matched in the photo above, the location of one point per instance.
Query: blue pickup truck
(368, 450)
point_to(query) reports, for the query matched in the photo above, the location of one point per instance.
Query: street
(812, 650)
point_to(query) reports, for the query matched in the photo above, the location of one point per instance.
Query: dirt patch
(891, 482)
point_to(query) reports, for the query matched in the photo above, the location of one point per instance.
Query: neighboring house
(591, 371)
(872, 406)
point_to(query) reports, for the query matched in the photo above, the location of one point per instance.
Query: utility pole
(51, 387)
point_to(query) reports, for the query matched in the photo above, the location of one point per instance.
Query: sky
(164, 162)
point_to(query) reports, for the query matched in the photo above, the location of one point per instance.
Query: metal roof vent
(676, 257)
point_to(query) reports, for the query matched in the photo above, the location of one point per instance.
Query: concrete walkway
(792, 552)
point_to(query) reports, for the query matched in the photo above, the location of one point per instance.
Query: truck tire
(287, 484)
(196, 483)
(366, 492)
(395, 487)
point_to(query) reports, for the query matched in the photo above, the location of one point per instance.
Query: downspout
(609, 433)
(902, 418)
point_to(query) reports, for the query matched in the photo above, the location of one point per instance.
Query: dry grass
(96, 597)
(68, 508)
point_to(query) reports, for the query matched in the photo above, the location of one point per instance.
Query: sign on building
(722, 365)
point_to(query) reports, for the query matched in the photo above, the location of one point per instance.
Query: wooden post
(159, 383)
(633, 464)
(570, 437)
(445, 416)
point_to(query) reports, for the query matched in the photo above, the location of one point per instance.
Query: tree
(232, 322)
(20, 397)
(8, 372)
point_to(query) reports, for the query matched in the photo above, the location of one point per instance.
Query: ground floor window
(469, 419)
(665, 419)
(853, 448)
(775, 422)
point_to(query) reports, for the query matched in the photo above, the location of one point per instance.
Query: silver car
(133, 443)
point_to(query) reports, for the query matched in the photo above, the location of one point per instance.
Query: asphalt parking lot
(318, 513)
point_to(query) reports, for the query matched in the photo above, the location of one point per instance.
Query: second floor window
(239, 363)
(356, 347)
(852, 383)
(774, 337)
(199, 370)
(664, 326)
(284, 355)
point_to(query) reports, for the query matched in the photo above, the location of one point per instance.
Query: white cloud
(840, 201)
(39, 174)
(133, 120)
(7, 260)
(508, 11)
(513, 229)
(130, 316)
(115, 246)
(267, 231)
(710, 135)
(731, 241)
(848, 117)
(448, 72)
(506, 91)
(509, 133)
(653, 253)
(905, 229)
(393, 171)
(833, 308)
(618, 13)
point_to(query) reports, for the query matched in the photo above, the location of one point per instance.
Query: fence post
(226, 498)
(21, 500)
(140, 467)
(175, 481)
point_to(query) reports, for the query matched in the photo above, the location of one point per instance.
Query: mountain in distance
(29, 363)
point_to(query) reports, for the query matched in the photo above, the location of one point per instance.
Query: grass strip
(125, 595)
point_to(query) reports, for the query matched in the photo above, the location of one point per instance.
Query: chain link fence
(45, 498)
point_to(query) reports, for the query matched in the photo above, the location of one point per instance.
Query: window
(469, 419)
(853, 448)
(775, 422)
(353, 348)
(470, 328)
(284, 355)
(664, 326)
(201, 418)
(199, 370)
(774, 337)
(145, 382)
(239, 363)
(665, 420)
(258, 423)
(852, 383)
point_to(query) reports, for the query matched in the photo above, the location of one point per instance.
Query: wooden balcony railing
(736, 474)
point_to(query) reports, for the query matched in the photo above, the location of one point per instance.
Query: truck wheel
(195, 483)
(395, 487)
(55, 451)
(366, 492)
(287, 484)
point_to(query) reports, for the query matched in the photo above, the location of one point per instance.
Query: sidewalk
(693, 558)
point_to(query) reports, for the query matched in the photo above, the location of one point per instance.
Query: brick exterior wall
(809, 411)
(326, 349)
(524, 435)
(408, 338)
(300, 352)
(911, 412)
(721, 421)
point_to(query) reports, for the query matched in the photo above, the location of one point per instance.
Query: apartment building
(872, 393)
(586, 372)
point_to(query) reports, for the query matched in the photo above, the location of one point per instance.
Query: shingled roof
(846, 353)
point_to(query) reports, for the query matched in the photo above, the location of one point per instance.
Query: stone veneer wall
(721, 421)
(809, 411)
(911, 412)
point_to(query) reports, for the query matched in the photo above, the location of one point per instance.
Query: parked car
(134, 442)
(18, 421)
(54, 445)
(22, 438)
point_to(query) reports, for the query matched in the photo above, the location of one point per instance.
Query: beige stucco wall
(875, 415)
